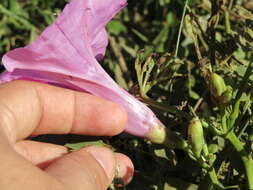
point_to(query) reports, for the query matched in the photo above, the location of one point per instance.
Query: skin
(29, 108)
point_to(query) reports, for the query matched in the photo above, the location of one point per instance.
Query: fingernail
(105, 158)
(125, 168)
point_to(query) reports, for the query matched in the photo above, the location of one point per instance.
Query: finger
(18, 173)
(89, 168)
(30, 108)
(38, 153)
(125, 168)
(43, 154)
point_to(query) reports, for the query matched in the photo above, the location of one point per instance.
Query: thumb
(90, 168)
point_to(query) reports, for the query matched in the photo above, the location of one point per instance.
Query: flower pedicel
(66, 55)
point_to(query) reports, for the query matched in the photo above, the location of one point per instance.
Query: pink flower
(66, 55)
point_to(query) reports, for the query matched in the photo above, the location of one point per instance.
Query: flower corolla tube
(66, 54)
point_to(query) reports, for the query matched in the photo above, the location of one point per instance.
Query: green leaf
(13, 4)
(161, 153)
(77, 146)
(115, 27)
(194, 95)
(177, 184)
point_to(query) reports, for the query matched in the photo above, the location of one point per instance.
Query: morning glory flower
(66, 54)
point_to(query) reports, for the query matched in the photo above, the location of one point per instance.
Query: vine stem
(167, 108)
(214, 178)
(180, 29)
(211, 172)
(247, 160)
(227, 22)
(226, 16)
(22, 20)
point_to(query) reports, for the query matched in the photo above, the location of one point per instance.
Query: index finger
(31, 108)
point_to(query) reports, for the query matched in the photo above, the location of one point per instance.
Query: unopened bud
(196, 136)
(217, 85)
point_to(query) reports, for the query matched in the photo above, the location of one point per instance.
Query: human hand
(29, 108)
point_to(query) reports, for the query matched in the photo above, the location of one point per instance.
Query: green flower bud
(217, 85)
(196, 136)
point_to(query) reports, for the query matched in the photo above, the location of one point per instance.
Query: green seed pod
(196, 136)
(217, 85)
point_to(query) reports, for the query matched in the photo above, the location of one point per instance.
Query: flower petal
(65, 55)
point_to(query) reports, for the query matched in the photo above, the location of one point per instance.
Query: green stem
(227, 22)
(226, 16)
(167, 108)
(180, 29)
(206, 183)
(247, 160)
(19, 18)
(223, 119)
(230, 4)
(243, 128)
(198, 104)
(234, 114)
(212, 173)
(214, 179)
(244, 81)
